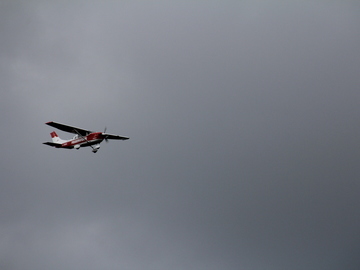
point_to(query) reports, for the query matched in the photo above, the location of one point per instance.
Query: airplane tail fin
(55, 138)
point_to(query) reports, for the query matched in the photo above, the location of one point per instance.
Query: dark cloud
(243, 126)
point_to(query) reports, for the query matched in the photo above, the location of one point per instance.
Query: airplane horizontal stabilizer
(53, 144)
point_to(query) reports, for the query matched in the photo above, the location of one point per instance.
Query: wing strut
(94, 150)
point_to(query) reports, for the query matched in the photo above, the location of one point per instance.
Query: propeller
(106, 139)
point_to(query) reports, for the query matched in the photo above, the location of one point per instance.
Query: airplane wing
(114, 137)
(69, 129)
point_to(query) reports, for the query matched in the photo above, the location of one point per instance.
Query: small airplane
(82, 138)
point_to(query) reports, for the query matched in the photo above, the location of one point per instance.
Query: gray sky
(243, 118)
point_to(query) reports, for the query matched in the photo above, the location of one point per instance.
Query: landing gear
(95, 148)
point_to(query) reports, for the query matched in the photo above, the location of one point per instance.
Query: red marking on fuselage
(92, 138)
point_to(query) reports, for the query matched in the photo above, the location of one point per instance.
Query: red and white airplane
(82, 138)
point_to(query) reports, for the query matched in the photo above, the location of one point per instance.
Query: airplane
(82, 138)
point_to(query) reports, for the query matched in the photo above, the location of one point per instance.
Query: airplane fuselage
(91, 139)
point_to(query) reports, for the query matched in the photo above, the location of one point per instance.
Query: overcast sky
(243, 118)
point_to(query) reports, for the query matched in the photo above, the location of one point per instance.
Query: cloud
(242, 124)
